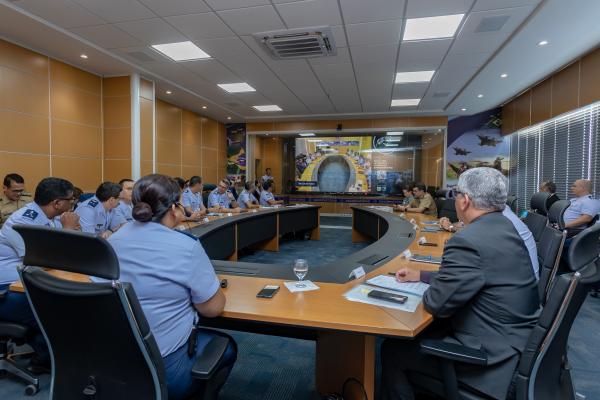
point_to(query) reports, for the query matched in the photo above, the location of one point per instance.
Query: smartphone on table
(268, 291)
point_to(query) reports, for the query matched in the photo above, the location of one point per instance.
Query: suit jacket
(486, 288)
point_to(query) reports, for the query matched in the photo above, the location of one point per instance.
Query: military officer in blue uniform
(221, 199)
(122, 213)
(247, 199)
(191, 198)
(96, 213)
(174, 281)
(51, 207)
(266, 196)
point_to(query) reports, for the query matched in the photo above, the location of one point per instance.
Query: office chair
(100, 343)
(511, 201)
(448, 210)
(557, 212)
(15, 334)
(543, 371)
(538, 202)
(549, 250)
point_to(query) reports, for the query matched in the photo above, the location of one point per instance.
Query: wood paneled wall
(573, 87)
(50, 119)
(432, 163)
(269, 150)
(116, 100)
(189, 144)
(146, 127)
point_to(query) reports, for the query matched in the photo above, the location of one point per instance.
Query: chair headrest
(556, 211)
(585, 248)
(538, 201)
(441, 193)
(68, 250)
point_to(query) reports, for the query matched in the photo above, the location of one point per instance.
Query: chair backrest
(441, 193)
(553, 198)
(511, 201)
(549, 250)
(584, 248)
(439, 202)
(538, 202)
(448, 210)
(96, 332)
(557, 211)
(536, 224)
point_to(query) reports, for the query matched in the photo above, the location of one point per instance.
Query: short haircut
(122, 181)
(587, 184)
(408, 188)
(194, 180)
(550, 186)
(266, 185)
(420, 186)
(180, 181)
(16, 178)
(77, 192)
(226, 181)
(248, 185)
(108, 190)
(50, 189)
(486, 187)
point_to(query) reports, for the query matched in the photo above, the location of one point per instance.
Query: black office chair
(100, 342)
(549, 250)
(553, 198)
(15, 334)
(448, 210)
(543, 371)
(557, 212)
(439, 202)
(538, 202)
(511, 201)
(536, 218)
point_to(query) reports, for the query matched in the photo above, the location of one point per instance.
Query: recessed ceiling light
(181, 51)
(306, 134)
(444, 26)
(270, 107)
(405, 102)
(414, 76)
(204, 107)
(84, 56)
(543, 43)
(463, 109)
(168, 92)
(236, 87)
(395, 133)
(503, 75)
(479, 96)
(229, 118)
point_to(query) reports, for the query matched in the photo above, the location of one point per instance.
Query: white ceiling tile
(424, 55)
(383, 54)
(381, 32)
(117, 10)
(482, 5)
(373, 10)
(176, 7)
(410, 90)
(229, 50)
(61, 12)
(342, 56)
(307, 13)
(458, 60)
(434, 8)
(212, 71)
(152, 31)
(451, 79)
(338, 72)
(407, 64)
(107, 36)
(219, 5)
(339, 36)
(434, 103)
(252, 20)
(140, 55)
(200, 26)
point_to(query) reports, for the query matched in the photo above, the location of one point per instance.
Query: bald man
(583, 207)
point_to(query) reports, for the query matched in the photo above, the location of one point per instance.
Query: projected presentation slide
(334, 164)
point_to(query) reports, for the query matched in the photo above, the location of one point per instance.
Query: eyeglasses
(456, 192)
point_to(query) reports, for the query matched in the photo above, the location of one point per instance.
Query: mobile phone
(428, 244)
(394, 298)
(268, 291)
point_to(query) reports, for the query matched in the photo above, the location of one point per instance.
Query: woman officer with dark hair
(174, 281)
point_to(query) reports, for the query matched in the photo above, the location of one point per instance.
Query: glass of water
(300, 269)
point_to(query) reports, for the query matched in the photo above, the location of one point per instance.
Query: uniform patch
(31, 214)
(93, 203)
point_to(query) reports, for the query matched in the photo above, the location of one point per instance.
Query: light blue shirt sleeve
(213, 199)
(590, 206)
(87, 218)
(203, 281)
(243, 198)
(186, 198)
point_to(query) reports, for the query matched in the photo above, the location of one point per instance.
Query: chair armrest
(3, 293)
(206, 364)
(455, 352)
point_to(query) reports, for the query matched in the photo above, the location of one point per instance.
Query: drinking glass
(300, 269)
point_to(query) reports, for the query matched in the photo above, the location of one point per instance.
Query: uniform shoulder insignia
(93, 203)
(31, 214)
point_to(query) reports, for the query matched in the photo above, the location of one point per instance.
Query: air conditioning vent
(298, 43)
(492, 24)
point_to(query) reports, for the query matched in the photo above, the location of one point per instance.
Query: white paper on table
(360, 293)
(308, 286)
(390, 282)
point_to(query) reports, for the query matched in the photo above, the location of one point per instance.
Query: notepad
(426, 259)
(429, 222)
(431, 230)
(360, 294)
(390, 282)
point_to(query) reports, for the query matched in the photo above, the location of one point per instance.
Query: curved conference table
(344, 331)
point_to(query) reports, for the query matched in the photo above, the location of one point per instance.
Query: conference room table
(345, 331)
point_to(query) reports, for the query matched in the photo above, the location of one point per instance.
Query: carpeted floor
(275, 368)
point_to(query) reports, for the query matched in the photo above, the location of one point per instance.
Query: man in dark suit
(485, 289)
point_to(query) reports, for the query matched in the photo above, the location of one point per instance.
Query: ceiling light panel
(444, 26)
(405, 102)
(270, 107)
(181, 51)
(236, 87)
(414, 76)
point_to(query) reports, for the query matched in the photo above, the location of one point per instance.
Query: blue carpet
(275, 368)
